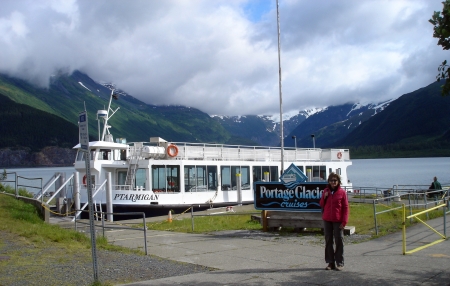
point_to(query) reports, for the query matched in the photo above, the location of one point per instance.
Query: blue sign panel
(304, 197)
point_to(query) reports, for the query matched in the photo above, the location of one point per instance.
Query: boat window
(159, 178)
(245, 178)
(301, 168)
(166, 178)
(316, 173)
(104, 154)
(225, 172)
(173, 178)
(123, 155)
(93, 154)
(234, 170)
(212, 178)
(228, 177)
(265, 169)
(121, 178)
(274, 176)
(189, 177)
(117, 154)
(141, 178)
(259, 171)
(80, 156)
(257, 174)
(200, 178)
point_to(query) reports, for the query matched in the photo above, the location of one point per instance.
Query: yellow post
(169, 219)
(404, 229)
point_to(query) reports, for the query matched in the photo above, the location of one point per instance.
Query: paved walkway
(246, 260)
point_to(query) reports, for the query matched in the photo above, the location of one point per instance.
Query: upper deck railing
(195, 151)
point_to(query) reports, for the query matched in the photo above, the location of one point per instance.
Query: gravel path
(113, 267)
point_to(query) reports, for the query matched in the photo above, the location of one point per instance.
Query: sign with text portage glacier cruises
(301, 196)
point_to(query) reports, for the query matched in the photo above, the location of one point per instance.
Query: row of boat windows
(166, 178)
(103, 154)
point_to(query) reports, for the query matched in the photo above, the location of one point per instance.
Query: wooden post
(264, 220)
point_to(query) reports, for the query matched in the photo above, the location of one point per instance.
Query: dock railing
(256, 153)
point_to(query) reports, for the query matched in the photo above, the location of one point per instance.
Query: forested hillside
(416, 124)
(68, 95)
(23, 126)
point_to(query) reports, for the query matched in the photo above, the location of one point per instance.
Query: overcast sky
(221, 56)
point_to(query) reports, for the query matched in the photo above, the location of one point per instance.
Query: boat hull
(136, 211)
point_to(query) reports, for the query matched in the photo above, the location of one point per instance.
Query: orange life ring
(172, 150)
(339, 155)
(84, 180)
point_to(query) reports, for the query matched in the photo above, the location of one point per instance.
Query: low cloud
(222, 56)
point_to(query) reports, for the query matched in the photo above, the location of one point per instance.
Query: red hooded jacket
(335, 207)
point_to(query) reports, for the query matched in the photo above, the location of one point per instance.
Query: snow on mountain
(288, 115)
(381, 106)
(355, 107)
(83, 85)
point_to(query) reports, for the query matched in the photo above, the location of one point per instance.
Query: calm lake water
(385, 173)
(380, 173)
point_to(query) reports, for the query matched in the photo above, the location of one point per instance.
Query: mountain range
(414, 124)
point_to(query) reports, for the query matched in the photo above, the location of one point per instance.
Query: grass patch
(209, 223)
(45, 243)
(10, 190)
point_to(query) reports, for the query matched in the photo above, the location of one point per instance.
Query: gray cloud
(219, 57)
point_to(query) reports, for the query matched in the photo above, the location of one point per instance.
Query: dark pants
(332, 230)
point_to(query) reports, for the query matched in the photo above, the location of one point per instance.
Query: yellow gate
(443, 237)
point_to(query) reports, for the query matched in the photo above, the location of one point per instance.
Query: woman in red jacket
(335, 216)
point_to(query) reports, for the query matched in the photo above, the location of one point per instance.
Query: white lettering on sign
(136, 197)
(300, 192)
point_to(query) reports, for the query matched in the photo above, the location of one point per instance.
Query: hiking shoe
(330, 266)
(339, 267)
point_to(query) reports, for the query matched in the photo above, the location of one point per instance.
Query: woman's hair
(334, 176)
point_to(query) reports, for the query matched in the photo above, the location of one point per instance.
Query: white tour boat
(158, 175)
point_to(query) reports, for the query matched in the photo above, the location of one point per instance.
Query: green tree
(441, 31)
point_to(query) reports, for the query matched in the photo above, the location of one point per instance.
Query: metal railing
(5, 180)
(113, 225)
(416, 200)
(256, 153)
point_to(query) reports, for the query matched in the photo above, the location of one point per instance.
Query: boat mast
(279, 87)
(107, 117)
